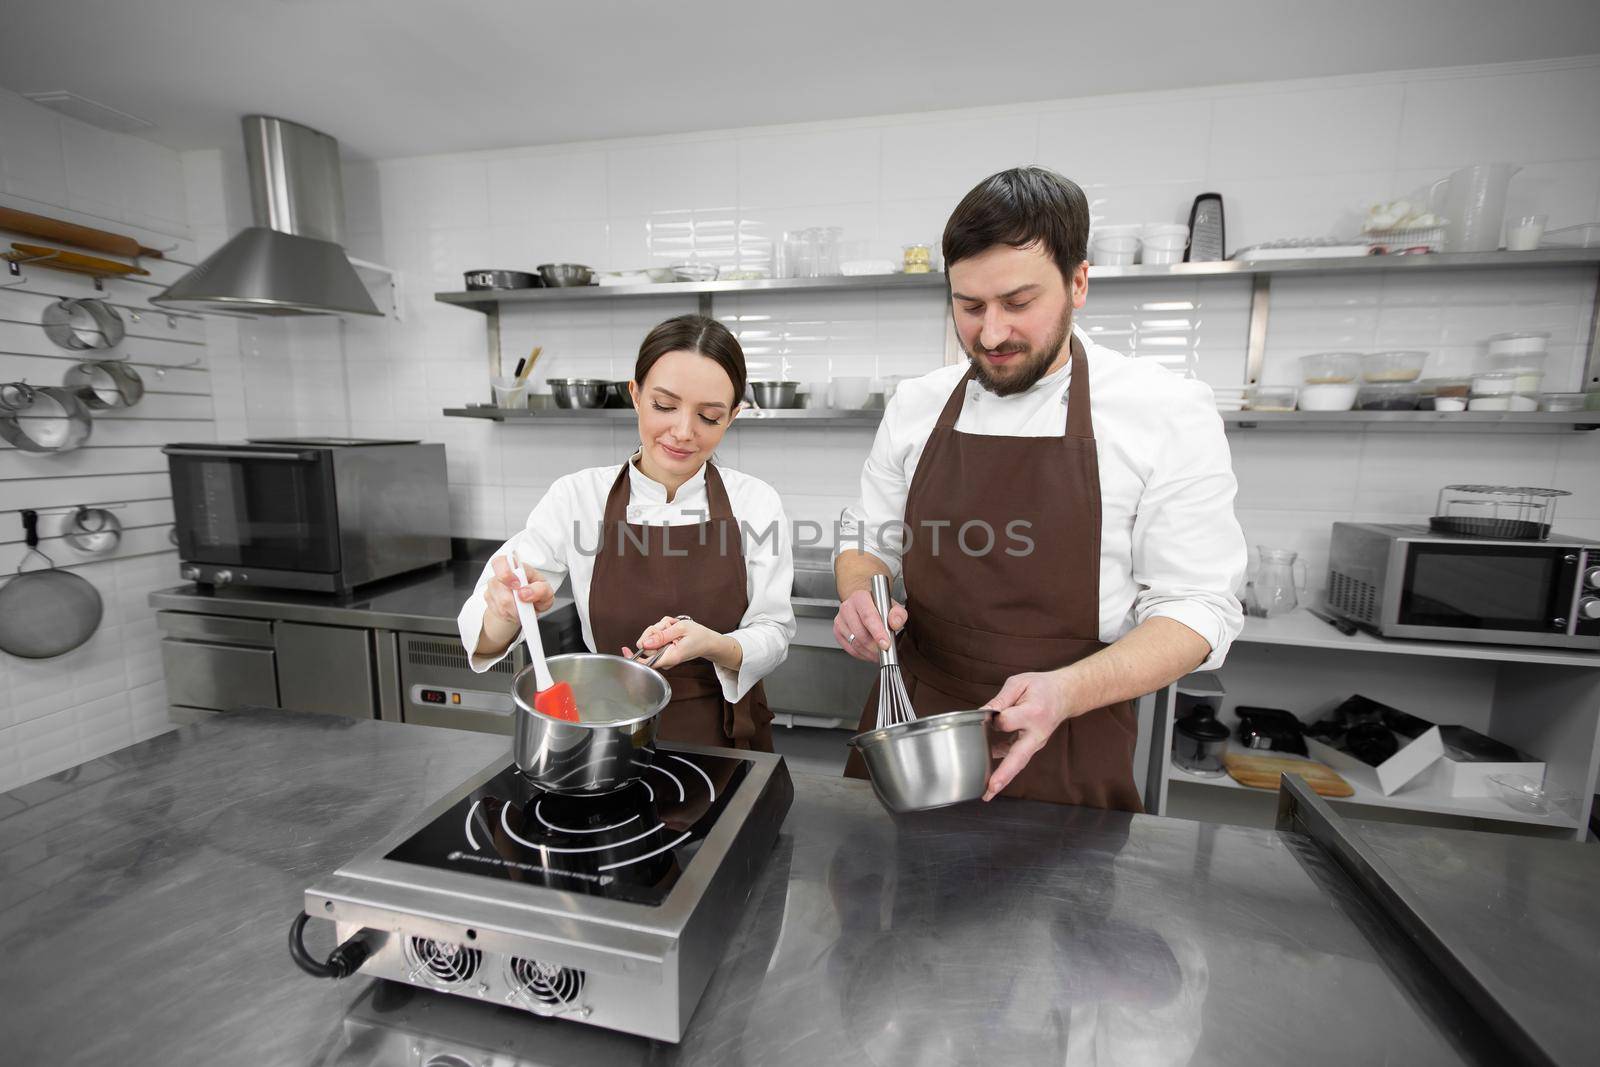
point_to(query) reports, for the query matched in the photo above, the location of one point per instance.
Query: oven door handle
(222, 453)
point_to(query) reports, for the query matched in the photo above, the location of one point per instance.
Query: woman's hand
(682, 639)
(858, 628)
(500, 622)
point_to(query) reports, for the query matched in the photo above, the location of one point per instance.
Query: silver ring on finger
(851, 636)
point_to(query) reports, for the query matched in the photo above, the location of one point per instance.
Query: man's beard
(1025, 374)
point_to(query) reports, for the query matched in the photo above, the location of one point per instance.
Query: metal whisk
(894, 703)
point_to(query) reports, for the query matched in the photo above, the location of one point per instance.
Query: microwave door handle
(219, 453)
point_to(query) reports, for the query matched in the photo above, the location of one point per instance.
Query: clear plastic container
(509, 393)
(1116, 250)
(1389, 396)
(1395, 366)
(1561, 401)
(1494, 383)
(916, 259)
(1163, 244)
(1330, 368)
(1528, 343)
(1271, 397)
(1527, 366)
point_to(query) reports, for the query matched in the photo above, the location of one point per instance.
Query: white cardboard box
(1469, 759)
(1414, 756)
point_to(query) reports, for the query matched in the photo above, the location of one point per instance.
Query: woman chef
(666, 551)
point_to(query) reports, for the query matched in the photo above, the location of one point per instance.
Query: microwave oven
(1406, 581)
(321, 514)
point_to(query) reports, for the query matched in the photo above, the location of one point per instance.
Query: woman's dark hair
(1019, 207)
(693, 333)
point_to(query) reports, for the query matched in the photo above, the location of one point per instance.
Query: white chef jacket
(1169, 543)
(563, 529)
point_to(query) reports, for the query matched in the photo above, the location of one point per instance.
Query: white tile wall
(1300, 158)
(108, 693)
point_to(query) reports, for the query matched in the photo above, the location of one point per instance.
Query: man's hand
(1031, 706)
(859, 630)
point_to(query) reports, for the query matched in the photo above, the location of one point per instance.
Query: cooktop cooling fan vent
(549, 984)
(443, 962)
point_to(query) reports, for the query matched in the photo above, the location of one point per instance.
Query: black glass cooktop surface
(630, 844)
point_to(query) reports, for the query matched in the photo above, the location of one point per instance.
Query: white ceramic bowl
(1329, 396)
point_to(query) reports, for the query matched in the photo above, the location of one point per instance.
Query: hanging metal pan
(43, 418)
(93, 531)
(46, 613)
(82, 323)
(103, 384)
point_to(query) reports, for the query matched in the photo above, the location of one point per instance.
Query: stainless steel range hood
(292, 261)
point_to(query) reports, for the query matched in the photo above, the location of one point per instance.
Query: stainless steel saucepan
(619, 701)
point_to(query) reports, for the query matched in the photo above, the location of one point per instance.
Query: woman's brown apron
(642, 573)
(977, 617)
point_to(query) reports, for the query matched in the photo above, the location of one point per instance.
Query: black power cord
(342, 961)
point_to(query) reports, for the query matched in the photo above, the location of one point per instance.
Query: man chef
(1062, 514)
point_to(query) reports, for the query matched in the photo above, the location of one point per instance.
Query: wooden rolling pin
(72, 234)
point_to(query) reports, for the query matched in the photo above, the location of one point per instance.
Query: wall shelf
(485, 300)
(1234, 421)
(1415, 421)
(489, 302)
(567, 416)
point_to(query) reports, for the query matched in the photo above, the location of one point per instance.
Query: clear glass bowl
(1521, 793)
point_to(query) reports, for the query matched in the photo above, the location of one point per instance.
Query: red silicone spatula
(554, 698)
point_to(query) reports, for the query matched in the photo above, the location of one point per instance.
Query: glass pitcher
(1274, 590)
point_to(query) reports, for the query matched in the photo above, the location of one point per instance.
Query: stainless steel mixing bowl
(929, 762)
(579, 392)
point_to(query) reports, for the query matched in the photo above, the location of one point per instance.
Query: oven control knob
(1591, 577)
(189, 573)
(222, 577)
(1589, 608)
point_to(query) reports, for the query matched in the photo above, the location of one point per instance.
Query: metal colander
(46, 613)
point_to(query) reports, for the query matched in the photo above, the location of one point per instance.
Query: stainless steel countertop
(145, 899)
(425, 601)
(1527, 926)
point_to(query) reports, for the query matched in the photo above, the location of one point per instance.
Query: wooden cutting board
(1263, 772)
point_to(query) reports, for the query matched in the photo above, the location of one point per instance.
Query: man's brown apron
(977, 617)
(642, 573)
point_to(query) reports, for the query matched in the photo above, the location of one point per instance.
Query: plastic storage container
(1163, 243)
(1562, 402)
(1116, 250)
(1395, 366)
(1389, 396)
(1330, 368)
(1270, 397)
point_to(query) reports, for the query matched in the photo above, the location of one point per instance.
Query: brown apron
(642, 573)
(976, 619)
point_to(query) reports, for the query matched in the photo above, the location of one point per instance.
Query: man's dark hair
(1019, 207)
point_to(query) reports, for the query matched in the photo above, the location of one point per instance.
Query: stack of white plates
(1228, 398)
